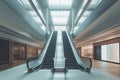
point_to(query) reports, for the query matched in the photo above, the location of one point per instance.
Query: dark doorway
(97, 52)
(4, 51)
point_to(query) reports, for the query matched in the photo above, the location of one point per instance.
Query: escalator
(48, 62)
(73, 60)
(59, 54)
(45, 60)
(70, 61)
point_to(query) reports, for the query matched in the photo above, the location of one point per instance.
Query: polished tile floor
(15, 63)
(100, 71)
(110, 68)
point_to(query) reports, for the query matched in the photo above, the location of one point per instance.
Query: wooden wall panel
(115, 40)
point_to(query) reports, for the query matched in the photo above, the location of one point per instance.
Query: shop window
(32, 52)
(19, 51)
(87, 51)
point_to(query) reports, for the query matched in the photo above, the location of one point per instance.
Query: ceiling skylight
(60, 17)
(60, 20)
(87, 13)
(60, 13)
(76, 28)
(29, 8)
(60, 10)
(32, 13)
(81, 9)
(94, 3)
(35, 3)
(89, 10)
(26, 4)
(43, 27)
(81, 20)
(60, 3)
(63, 28)
(37, 19)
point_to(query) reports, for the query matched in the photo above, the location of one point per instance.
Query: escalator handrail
(29, 60)
(77, 57)
(83, 57)
(89, 60)
(40, 57)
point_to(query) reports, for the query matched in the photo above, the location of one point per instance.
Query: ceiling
(36, 19)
